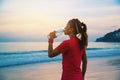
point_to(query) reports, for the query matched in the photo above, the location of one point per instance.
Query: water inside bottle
(59, 32)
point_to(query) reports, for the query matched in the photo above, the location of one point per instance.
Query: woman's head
(74, 26)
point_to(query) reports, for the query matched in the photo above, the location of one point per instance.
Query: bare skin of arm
(52, 52)
(84, 64)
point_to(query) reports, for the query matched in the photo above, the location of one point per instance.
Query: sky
(32, 20)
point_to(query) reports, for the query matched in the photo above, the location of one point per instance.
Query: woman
(73, 50)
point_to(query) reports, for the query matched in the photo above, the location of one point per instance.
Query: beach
(98, 69)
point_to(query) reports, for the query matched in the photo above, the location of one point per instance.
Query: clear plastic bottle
(58, 32)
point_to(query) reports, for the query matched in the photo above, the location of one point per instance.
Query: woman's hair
(80, 29)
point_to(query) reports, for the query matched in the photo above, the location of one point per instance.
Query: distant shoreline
(110, 37)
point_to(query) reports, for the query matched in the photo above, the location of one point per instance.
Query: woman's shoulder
(66, 41)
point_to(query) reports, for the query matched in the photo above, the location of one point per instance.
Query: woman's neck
(72, 35)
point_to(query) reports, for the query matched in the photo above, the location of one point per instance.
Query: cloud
(36, 18)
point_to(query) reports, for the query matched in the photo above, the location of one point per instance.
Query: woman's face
(68, 29)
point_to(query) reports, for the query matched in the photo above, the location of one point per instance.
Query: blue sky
(32, 20)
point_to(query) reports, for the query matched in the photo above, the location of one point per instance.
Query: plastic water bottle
(58, 32)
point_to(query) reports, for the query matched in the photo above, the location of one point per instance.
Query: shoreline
(98, 69)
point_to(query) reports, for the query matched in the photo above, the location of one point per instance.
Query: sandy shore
(98, 69)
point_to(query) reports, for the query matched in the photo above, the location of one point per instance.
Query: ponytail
(84, 36)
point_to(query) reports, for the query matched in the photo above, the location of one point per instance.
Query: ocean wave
(41, 56)
(45, 51)
(18, 63)
(22, 59)
(23, 52)
(96, 48)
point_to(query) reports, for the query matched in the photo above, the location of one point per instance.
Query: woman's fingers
(52, 34)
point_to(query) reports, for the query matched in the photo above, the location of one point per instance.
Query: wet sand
(98, 69)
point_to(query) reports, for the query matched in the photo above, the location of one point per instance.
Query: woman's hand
(52, 35)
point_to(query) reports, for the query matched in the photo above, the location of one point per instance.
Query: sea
(23, 53)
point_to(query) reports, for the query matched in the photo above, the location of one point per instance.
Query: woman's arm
(52, 52)
(84, 64)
